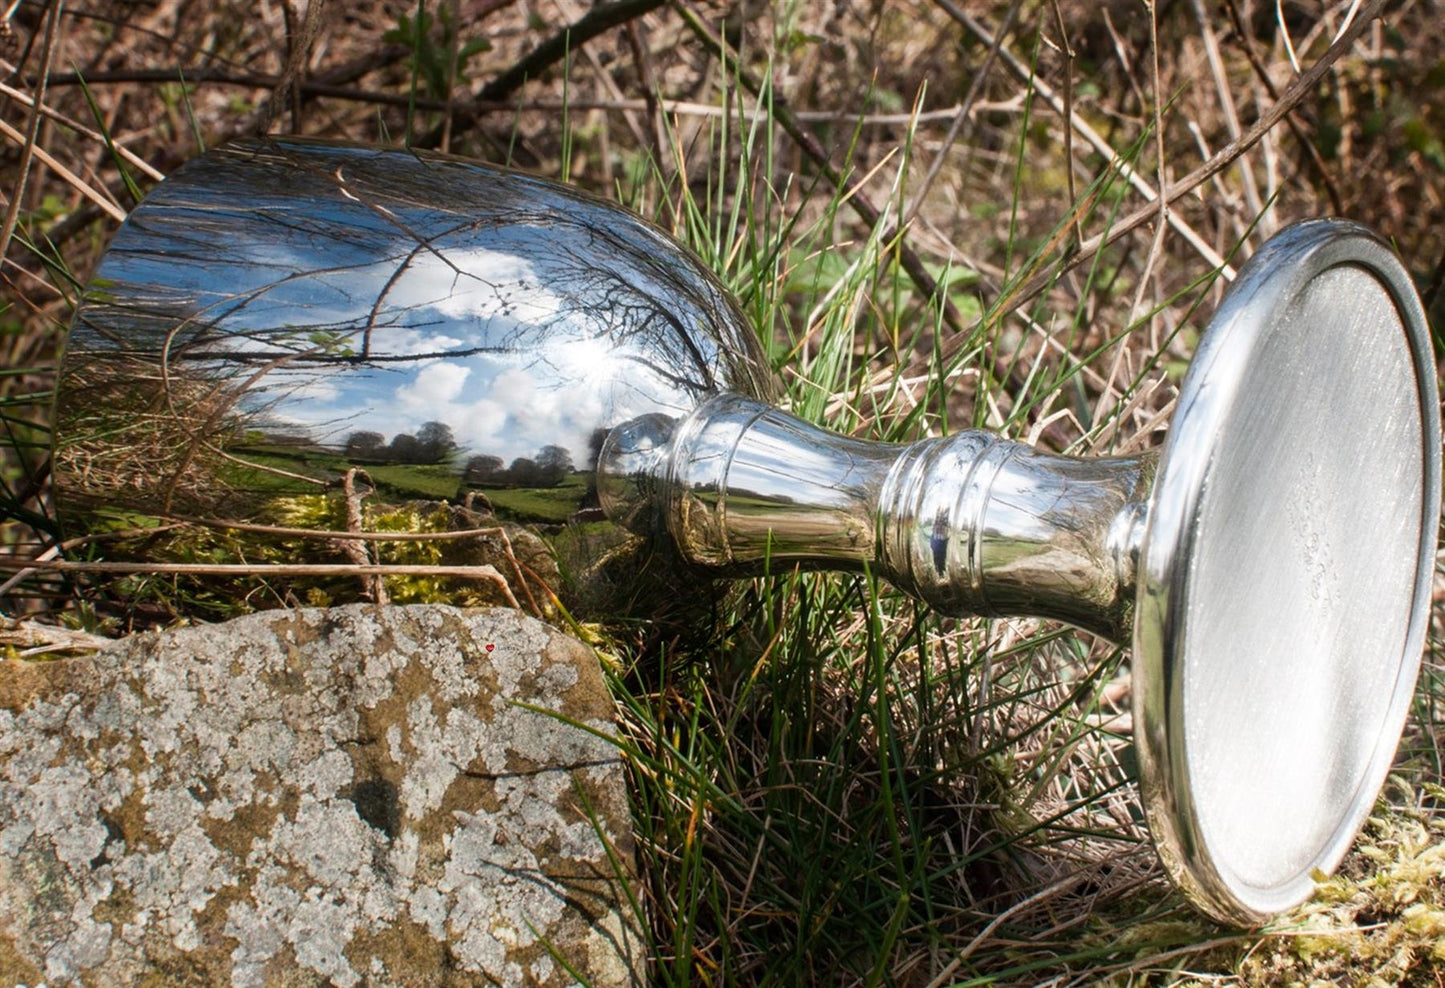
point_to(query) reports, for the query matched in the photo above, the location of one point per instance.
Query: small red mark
(490, 646)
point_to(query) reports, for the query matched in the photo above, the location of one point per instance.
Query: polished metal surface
(1285, 580)
(281, 313)
(971, 523)
(975, 524)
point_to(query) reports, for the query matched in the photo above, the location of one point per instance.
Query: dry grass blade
(27, 140)
(1157, 246)
(1043, 895)
(66, 175)
(131, 157)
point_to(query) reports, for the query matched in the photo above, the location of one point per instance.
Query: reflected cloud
(435, 384)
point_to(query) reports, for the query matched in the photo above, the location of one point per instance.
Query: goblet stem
(969, 523)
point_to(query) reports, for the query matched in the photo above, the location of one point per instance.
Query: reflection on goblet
(280, 313)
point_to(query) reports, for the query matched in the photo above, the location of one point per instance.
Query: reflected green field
(397, 482)
(545, 504)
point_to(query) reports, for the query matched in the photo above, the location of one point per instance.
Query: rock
(353, 796)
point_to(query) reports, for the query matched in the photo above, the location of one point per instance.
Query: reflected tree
(554, 463)
(524, 473)
(403, 448)
(484, 469)
(365, 445)
(435, 442)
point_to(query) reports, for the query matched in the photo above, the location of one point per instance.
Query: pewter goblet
(278, 311)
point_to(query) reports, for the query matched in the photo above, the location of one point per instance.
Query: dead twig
(651, 93)
(963, 116)
(301, 34)
(322, 533)
(1226, 156)
(354, 537)
(522, 572)
(1068, 53)
(480, 106)
(25, 574)
(1046, 92)
(1332, 188)
(374, 587)
(602, 17)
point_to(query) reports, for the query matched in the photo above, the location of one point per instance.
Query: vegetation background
(940, 214)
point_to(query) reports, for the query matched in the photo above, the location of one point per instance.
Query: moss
(1380, 921)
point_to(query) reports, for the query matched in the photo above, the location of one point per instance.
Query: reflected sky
(330, 290)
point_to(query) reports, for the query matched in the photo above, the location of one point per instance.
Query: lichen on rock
(355, 796)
